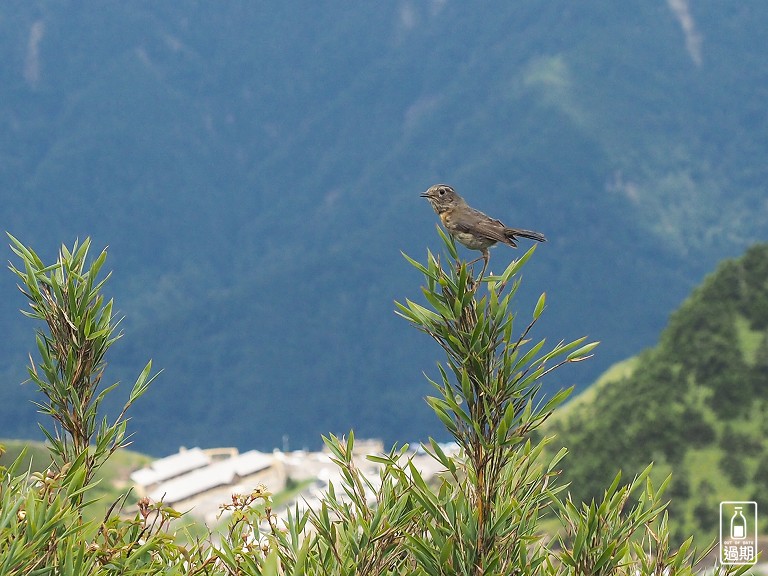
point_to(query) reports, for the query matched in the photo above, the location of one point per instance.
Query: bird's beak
(424, 195)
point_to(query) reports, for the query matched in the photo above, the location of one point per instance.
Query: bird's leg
(486, 259)
(475, 260)
(467, 264)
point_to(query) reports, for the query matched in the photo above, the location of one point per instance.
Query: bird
(472, 228)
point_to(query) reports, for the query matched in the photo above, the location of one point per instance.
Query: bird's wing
(476, 222)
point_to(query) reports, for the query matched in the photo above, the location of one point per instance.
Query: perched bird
(472, 228)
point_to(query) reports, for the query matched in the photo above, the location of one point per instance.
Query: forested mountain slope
(255, 169)
(695, 403)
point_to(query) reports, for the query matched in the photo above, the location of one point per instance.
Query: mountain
(694, 403)
(255, 169)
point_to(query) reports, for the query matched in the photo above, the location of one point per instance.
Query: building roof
(171, 466)
(221, 473)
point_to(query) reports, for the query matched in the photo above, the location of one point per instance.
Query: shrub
(483, 517)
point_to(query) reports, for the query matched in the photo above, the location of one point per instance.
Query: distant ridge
(255, 173)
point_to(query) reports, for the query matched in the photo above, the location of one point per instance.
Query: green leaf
(528, 356)
(515, 266)
(420, 267)
(582, 353)
(562, 348)
(441, 409)
(425, 316)
(540, 306)
(439, 305)
(449, 242)
(559, 456)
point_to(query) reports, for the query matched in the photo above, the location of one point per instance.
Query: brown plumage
(475, 230)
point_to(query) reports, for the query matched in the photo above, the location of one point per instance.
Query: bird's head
(442, 197)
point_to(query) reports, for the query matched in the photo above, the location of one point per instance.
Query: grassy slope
(113, 477)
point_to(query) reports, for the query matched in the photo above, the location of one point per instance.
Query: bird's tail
(512, 233)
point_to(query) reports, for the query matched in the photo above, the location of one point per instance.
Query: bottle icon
(738, 525)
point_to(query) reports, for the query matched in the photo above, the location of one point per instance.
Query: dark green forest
(695, 403)
(255, 169)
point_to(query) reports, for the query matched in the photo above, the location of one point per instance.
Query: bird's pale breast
(472, 241)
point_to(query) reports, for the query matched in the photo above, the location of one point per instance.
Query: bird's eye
(442, 191)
